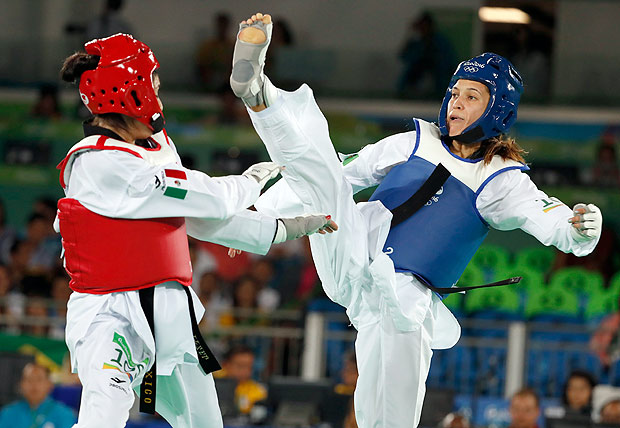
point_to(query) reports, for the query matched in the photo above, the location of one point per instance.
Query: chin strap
(472, 136)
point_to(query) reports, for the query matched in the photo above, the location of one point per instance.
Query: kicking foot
(248, 78)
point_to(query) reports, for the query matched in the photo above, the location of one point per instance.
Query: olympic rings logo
(470, 69)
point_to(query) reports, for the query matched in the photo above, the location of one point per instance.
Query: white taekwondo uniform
(107, 333)
(399, 320)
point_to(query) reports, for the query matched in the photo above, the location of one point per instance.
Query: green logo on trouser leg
(124, 360)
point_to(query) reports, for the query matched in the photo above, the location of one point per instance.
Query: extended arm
(512, 201)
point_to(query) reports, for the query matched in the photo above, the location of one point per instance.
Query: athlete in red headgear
(129, 206)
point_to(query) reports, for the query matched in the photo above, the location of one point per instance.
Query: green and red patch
(176, 183)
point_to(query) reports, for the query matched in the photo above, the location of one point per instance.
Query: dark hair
(583, 374)
(238, 350)
(75, 65)
(524, 392)
(503, 146)
(36, 217)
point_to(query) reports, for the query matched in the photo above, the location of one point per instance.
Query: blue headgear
(505, 86)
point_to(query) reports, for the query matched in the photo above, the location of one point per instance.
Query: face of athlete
(468, 102)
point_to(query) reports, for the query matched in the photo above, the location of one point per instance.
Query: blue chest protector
(437, 242)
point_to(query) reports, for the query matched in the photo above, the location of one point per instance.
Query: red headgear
(123, 80)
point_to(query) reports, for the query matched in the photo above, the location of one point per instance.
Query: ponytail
(503, 146)
(76, 64)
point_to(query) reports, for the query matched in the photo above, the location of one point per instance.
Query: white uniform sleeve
(374, 161)
(118, 184)
(511, 200)
(248, 231)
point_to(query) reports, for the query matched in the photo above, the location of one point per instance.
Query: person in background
(11, 302)
(577, 396)
(214, 55)
(454, 420)
(606, 172)
(348, 374)
(216, 301)
(428, 60)
(109, 22)
(37, 409)
(524, 409)
(605, 341)
(606, 404)
(245, 301)
(7, 236)
(239, 365)
(47, 105)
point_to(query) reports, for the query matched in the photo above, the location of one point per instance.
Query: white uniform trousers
(111, 362)
(393, 363)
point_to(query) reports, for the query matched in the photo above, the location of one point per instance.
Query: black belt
(206, 359)
(405, 210)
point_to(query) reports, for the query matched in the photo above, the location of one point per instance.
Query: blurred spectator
(245, 301)
(532, 57)
(605, 172)
(577, 397)
(60, 294)
(230, 111)
(606, 404)
(202, 262)
(454, 420)
(524, 409)
(217, 303)
(19, 258)
(349, 419)
(11, 302)
(45, 243)
(47, 207)
(37, 409)
(214, 55)
(262, 271)
(7, 236)
(37, 317)
(109, 22)
(239, 365)
(348, 374)
(428, 60)
(605, 341)
(282, 37)
(47, 105)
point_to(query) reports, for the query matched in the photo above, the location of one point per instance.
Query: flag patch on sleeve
(175, 183)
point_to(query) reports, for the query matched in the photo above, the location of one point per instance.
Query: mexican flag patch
(175, 183)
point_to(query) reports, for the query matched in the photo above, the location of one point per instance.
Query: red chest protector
(105, 255)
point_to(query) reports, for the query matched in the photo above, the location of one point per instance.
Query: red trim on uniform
(166, 135)
(107, 255)
(175, 173)
(62, 165)
(101, 141)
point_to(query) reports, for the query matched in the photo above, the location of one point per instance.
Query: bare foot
(254, 35)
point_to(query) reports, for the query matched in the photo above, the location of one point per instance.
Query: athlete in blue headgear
(440, 189)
